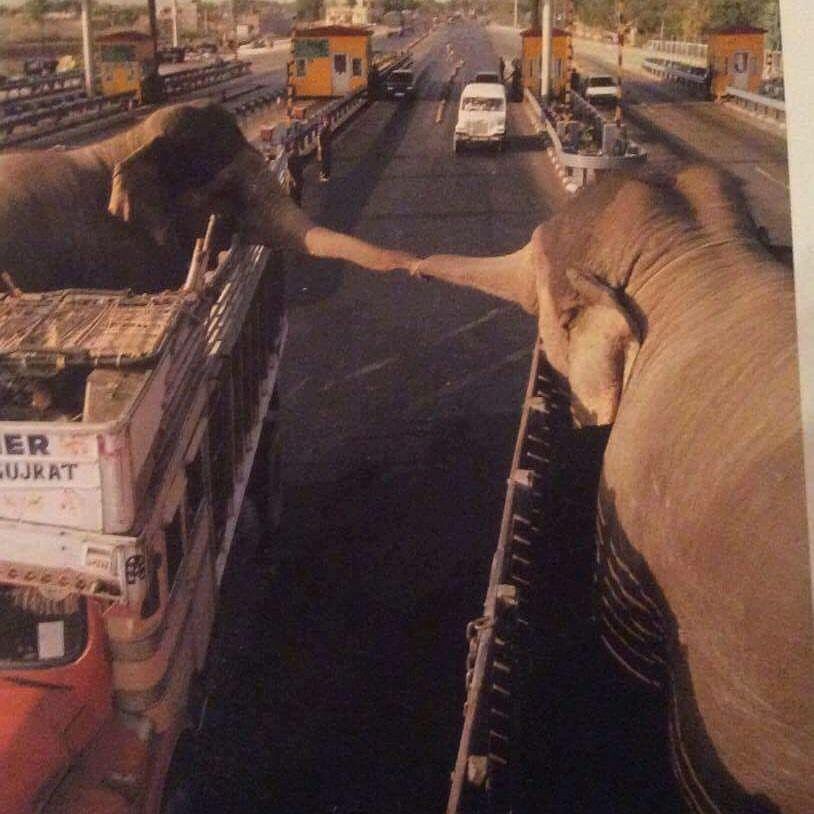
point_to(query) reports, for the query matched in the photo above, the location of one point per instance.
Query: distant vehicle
(40, 66)
(481, 116)
(173, 54)
(393, 21)
(207, 48)
(400, 85)
(600, 89)
(488, 78)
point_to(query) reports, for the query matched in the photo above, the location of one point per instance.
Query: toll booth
(126, 62)
(736, 58)
(531, 55)
(329, 60)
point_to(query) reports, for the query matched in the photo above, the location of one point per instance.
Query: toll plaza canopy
(329, 60)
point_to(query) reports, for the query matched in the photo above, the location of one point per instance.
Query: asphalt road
(345, 644)
(677, 129)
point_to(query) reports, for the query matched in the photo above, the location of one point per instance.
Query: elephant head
(187, 161)
(583, 269)
(590, 332)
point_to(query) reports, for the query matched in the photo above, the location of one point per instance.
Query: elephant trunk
(511, 276)
(271, 218)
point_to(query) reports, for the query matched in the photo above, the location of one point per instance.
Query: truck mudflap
(497, 661)
(96, 565)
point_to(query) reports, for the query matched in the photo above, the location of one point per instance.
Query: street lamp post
(545, 56)
(87, 48)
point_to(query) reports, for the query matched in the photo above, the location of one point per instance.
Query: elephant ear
(603, 341)
(140, 194)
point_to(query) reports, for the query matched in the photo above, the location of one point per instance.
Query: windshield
(476, 103)
(38, 631)
(601, 82)
(402, 76)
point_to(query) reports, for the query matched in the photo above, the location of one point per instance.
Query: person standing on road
(324, 149)
(502, 68)
(295, 172)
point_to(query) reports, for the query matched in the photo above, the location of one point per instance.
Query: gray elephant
(125, 212)
(669, 318)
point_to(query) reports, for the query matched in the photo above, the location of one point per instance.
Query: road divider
(576, 168)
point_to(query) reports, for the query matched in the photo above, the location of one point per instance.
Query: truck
(130, 425)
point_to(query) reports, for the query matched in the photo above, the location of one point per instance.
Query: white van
(481, 115)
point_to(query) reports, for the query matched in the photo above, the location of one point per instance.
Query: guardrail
(38, 85)
(192, 79)
(27, 104)
(693, 76)
(99, 108)
(50, 114)
(764, 107)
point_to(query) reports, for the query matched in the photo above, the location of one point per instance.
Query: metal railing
(54, 116)
(694, 53)
(39, 85)
(693, 75)
(191, 79)
(43, 114)
(763, 106)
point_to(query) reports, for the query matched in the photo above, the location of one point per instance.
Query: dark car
(399, 85)
(488, 77)
(172, 54)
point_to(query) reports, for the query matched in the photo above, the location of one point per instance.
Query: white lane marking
(489, 315)
(765, 174)
(456, 386)
(363, 371)
(297, 387)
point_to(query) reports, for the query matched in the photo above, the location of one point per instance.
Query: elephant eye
(567, 317)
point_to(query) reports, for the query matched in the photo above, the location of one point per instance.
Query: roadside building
(531, 56)
(329, 60)
(126, 60)
(735, 57)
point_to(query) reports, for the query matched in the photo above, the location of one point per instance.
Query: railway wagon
(130, 424)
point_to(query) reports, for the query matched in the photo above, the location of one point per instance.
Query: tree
(309, 9)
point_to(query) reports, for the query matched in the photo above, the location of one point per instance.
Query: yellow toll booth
(126, 59)
(329, 60)
(735, 57)
(531, 54)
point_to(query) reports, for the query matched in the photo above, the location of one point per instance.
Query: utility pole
(515, 13)
(87, 48)
(620, 35)
(174, 23)
(153, 29)
(545, 56)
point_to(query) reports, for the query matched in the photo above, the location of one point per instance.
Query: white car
(481, 116)
(599, 89)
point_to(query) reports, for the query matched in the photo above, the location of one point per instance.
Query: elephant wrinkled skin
(667, 316)
(125, 212)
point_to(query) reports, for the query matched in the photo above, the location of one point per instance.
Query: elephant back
(703, 567)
